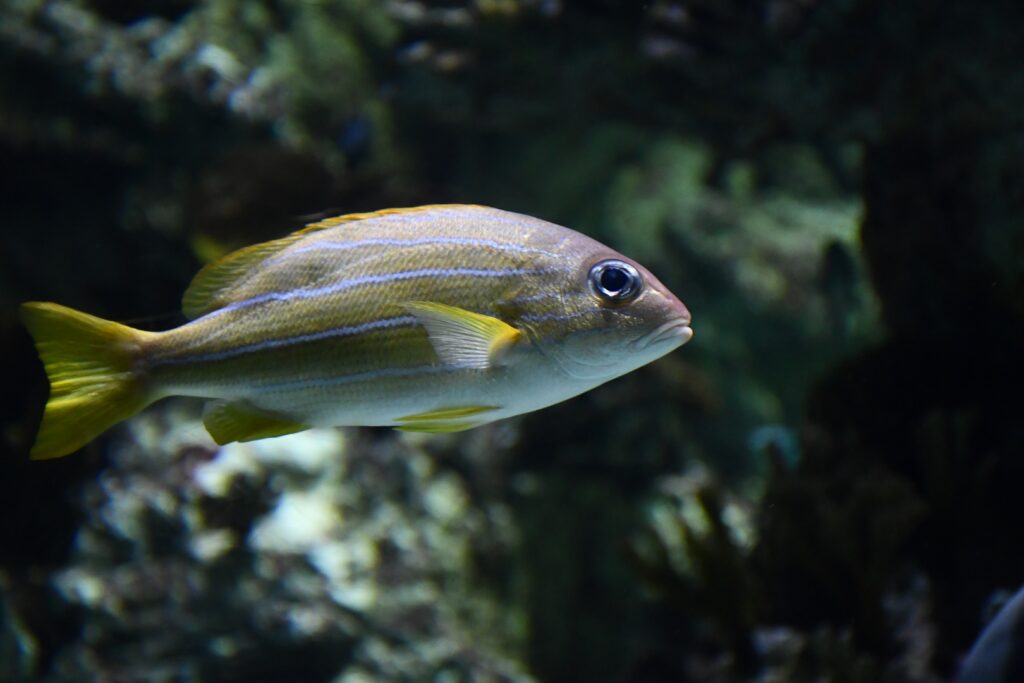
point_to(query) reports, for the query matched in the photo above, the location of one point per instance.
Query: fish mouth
(676, 330)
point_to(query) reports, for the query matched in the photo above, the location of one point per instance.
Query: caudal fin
(94, 384)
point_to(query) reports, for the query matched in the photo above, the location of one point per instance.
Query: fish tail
(93, 368)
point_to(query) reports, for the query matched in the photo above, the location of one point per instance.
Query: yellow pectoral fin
(462, 337)
(444, 420)
(239, 421)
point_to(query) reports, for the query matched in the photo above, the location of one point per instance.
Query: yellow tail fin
(94, 383)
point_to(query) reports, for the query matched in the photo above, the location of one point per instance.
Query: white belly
(382, 399)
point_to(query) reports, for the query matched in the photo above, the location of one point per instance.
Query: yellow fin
(464, 338)
(443, 419)
(348, 218)
(229, 421)
(212, 286)
(208, 249)
(447, 413)
(438, 427)
(91, 364)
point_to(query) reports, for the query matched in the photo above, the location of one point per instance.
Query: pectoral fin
(229, 421)
(445, 419)
(464, 338)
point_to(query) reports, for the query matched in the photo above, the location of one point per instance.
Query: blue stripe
(371, 326)
(341, 286)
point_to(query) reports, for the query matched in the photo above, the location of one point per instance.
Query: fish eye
(615, 281)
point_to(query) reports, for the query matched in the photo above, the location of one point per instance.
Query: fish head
(622, 317)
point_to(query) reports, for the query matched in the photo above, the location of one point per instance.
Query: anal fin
(439, 427)
(229, 421)
(444, 420)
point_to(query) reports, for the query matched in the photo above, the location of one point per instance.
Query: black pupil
(614, 280)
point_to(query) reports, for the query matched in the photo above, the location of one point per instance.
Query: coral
(135, 117)
(723, 570)
(695, 555)
(320, 556)
(297, 66)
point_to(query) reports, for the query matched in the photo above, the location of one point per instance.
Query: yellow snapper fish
(433, 319)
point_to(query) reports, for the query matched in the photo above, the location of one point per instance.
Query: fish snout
(676, 331)
(677, 328)
(679, 309)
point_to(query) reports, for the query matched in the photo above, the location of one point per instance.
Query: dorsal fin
(212, 286)
(348, 218)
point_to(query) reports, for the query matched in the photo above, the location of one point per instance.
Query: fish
(997, 656)
(433, 319)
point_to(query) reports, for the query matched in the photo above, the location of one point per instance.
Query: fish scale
(305, 316)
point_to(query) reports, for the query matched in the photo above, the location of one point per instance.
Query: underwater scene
(511, 340)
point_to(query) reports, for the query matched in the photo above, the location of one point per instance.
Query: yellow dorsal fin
(212, 286)
(348, 218)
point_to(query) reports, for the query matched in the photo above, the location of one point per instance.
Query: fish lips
(676, 331)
